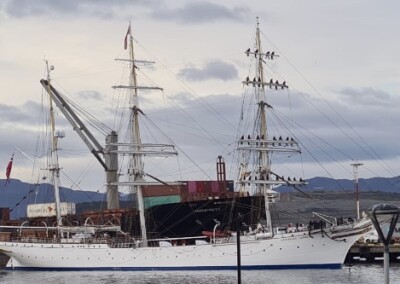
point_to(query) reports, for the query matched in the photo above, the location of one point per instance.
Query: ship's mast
(256, 148)
(135, 168)
(54, 165)
(264, 161)
(135, 148)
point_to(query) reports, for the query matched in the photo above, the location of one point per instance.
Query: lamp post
(238, 254)
(355, 175)
(382, 214)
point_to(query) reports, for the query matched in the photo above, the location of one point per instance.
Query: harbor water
(362, 274)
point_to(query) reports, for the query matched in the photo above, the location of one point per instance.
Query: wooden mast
(135, 148)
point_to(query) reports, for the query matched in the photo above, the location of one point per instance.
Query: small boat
(265, 246)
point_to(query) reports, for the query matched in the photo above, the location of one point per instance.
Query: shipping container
(48, 209)
(230, 185)
(216, 186)
(4, 213)
(191, 186)
(207, 186)
(161, 190)
(160, 200)
(199, 186)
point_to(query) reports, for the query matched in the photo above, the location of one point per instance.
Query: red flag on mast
(8, 169)
(126, 37)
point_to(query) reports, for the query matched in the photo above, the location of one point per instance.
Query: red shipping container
(215, 186)
(199, 186)
(161, 190)
(192, 186)
(207, 186)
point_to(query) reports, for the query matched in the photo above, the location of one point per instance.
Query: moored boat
(107, 247)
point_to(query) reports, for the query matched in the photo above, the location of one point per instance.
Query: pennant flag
(8, 170)
(126, 37)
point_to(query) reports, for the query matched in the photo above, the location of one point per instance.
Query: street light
(355, 174)
(239, 261)
(381, 214)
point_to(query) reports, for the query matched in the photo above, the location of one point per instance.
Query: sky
(339, 58)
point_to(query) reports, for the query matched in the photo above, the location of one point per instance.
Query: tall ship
(263, 244)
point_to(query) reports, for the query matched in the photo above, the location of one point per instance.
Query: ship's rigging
(257, 147)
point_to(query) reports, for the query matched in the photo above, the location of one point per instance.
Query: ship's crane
(107, 156)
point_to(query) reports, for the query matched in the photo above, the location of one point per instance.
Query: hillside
(17, 195)
(335, 195)
(329, 184)
(332, 203)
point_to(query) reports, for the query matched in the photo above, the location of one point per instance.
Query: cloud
(213, 70)
(90, 95)
(211, 114)
(324, 135)
(182, 98)
(206, 127)
(202, 128)
(355, 126)
(96, 8)
(202, 12)
(191, 13)
(369, 96)
(24, 114)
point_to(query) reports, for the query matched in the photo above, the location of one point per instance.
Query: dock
(372, 252)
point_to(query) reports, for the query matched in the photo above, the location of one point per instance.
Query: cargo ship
(178, 211)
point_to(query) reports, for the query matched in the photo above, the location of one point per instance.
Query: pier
(371, 252)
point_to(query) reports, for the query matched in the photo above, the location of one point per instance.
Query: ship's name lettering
(207, 210)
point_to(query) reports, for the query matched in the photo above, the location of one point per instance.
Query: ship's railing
(115, 242)
(122, 245)
(112, 242)
(180, 241)
(31, 240)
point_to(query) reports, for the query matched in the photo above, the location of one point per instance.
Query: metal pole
(392, 213)
(355, 175)
(239, 268)
(111, 161)
(386, 263)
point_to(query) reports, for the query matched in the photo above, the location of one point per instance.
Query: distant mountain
(17, 194)
(330, 184)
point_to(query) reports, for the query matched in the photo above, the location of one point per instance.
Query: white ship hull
(288, 251)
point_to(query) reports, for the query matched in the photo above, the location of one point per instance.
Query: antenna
(49, 69)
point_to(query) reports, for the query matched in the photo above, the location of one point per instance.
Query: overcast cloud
(23, 114)
(346, 49)
(195, 12)
(370, 96)
(90, 95)
(45, 8)
(218, 70)
(191, 12)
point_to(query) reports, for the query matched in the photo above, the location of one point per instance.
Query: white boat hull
(289, 251)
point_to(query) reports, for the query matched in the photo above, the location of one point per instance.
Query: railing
(112, 242)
